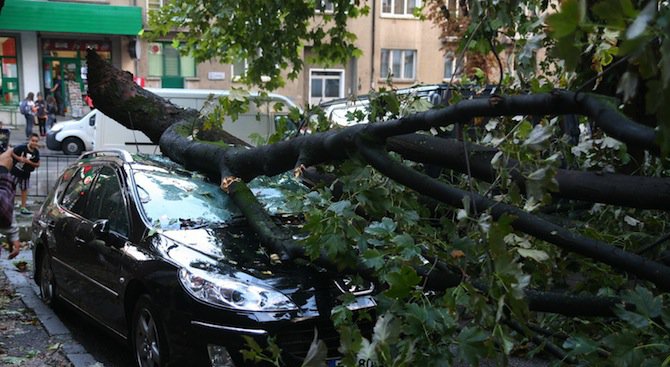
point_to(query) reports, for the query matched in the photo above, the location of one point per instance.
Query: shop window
(398, 64)
(400, 7)
(9, 73)
(165, 60)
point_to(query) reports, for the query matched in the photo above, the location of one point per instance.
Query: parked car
(163, 259)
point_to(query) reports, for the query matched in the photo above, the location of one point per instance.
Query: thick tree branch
(608, 188)
(372, 151)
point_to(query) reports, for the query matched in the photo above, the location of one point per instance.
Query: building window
(239, 69)
(400, 7)
(153, 5)
(398, 64)
(9, 73)
(450, 66)
(325, 84)
(325, 6)
(165, 60)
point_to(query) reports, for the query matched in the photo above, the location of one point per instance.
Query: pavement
(23, 312)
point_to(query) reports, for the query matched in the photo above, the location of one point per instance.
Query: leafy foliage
(618, 48)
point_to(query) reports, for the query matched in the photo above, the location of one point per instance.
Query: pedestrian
(41, 113)
(52, 110)
(8, 226)
(57, 91)
(26, 159)
(4, 137)
(27, 109)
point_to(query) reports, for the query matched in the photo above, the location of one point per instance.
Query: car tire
(148, 338)
(48, 289)
(72, 146)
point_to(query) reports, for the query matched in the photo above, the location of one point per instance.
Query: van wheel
(73, 146)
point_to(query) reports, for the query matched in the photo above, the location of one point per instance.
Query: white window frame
(314, 100)
(235, 77)
(327, 6)
(405, 13)
(149, 7)
(402, 76)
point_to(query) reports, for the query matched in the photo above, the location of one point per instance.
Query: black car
(163, 259)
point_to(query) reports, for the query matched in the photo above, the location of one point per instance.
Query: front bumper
(52, 143)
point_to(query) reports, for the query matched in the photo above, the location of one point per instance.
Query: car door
(67, 244)
(104, 232)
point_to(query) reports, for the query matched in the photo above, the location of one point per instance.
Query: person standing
(8, 226)
(57, 91)
(26, 159)
(27, 109)
(41, 112)
(52, 110)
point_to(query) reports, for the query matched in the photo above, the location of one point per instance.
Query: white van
(97, 131)
(261, 117)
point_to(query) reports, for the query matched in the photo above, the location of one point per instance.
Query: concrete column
(29, 64)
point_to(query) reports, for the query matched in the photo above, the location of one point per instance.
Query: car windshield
(179, 200)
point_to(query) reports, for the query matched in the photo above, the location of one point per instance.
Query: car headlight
(57, 127)
(224, 291)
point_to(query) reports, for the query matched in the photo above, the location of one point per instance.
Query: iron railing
(46, 175)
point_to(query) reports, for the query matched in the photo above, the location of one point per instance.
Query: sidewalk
(31, 334)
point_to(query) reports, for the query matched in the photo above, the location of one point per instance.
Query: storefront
(64, 70)
(42, 42)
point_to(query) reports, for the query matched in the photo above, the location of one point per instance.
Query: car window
(106, 202)
(173, 201)
(77, 192)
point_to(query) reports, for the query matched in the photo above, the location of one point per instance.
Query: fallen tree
(183, 138)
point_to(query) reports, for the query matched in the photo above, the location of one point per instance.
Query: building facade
(42, 41)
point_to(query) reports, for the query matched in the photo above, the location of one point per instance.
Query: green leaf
(341, 207)
(565, 21)
(471, 344)
(383, 229)
(634, 319)
(373, 259)
(537, 255)
(401, 282)
(645, 302)
(580, 345)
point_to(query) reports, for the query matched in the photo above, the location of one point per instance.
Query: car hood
(236, 252)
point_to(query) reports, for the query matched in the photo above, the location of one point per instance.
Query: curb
(29, 293)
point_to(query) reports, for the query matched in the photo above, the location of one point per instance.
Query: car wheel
(72, 146)
(47, 281)
(148, 340)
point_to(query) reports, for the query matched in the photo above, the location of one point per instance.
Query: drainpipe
(374, 35)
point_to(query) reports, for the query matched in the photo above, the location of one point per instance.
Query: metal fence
(46, 175)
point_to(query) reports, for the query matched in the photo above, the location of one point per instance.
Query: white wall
(30, 64)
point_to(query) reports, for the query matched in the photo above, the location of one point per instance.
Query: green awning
(53, 16)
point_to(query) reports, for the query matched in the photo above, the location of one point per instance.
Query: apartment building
(41, 40)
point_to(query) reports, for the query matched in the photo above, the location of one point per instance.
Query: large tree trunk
(116, 95)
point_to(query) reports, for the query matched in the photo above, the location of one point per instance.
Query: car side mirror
(101, 227)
